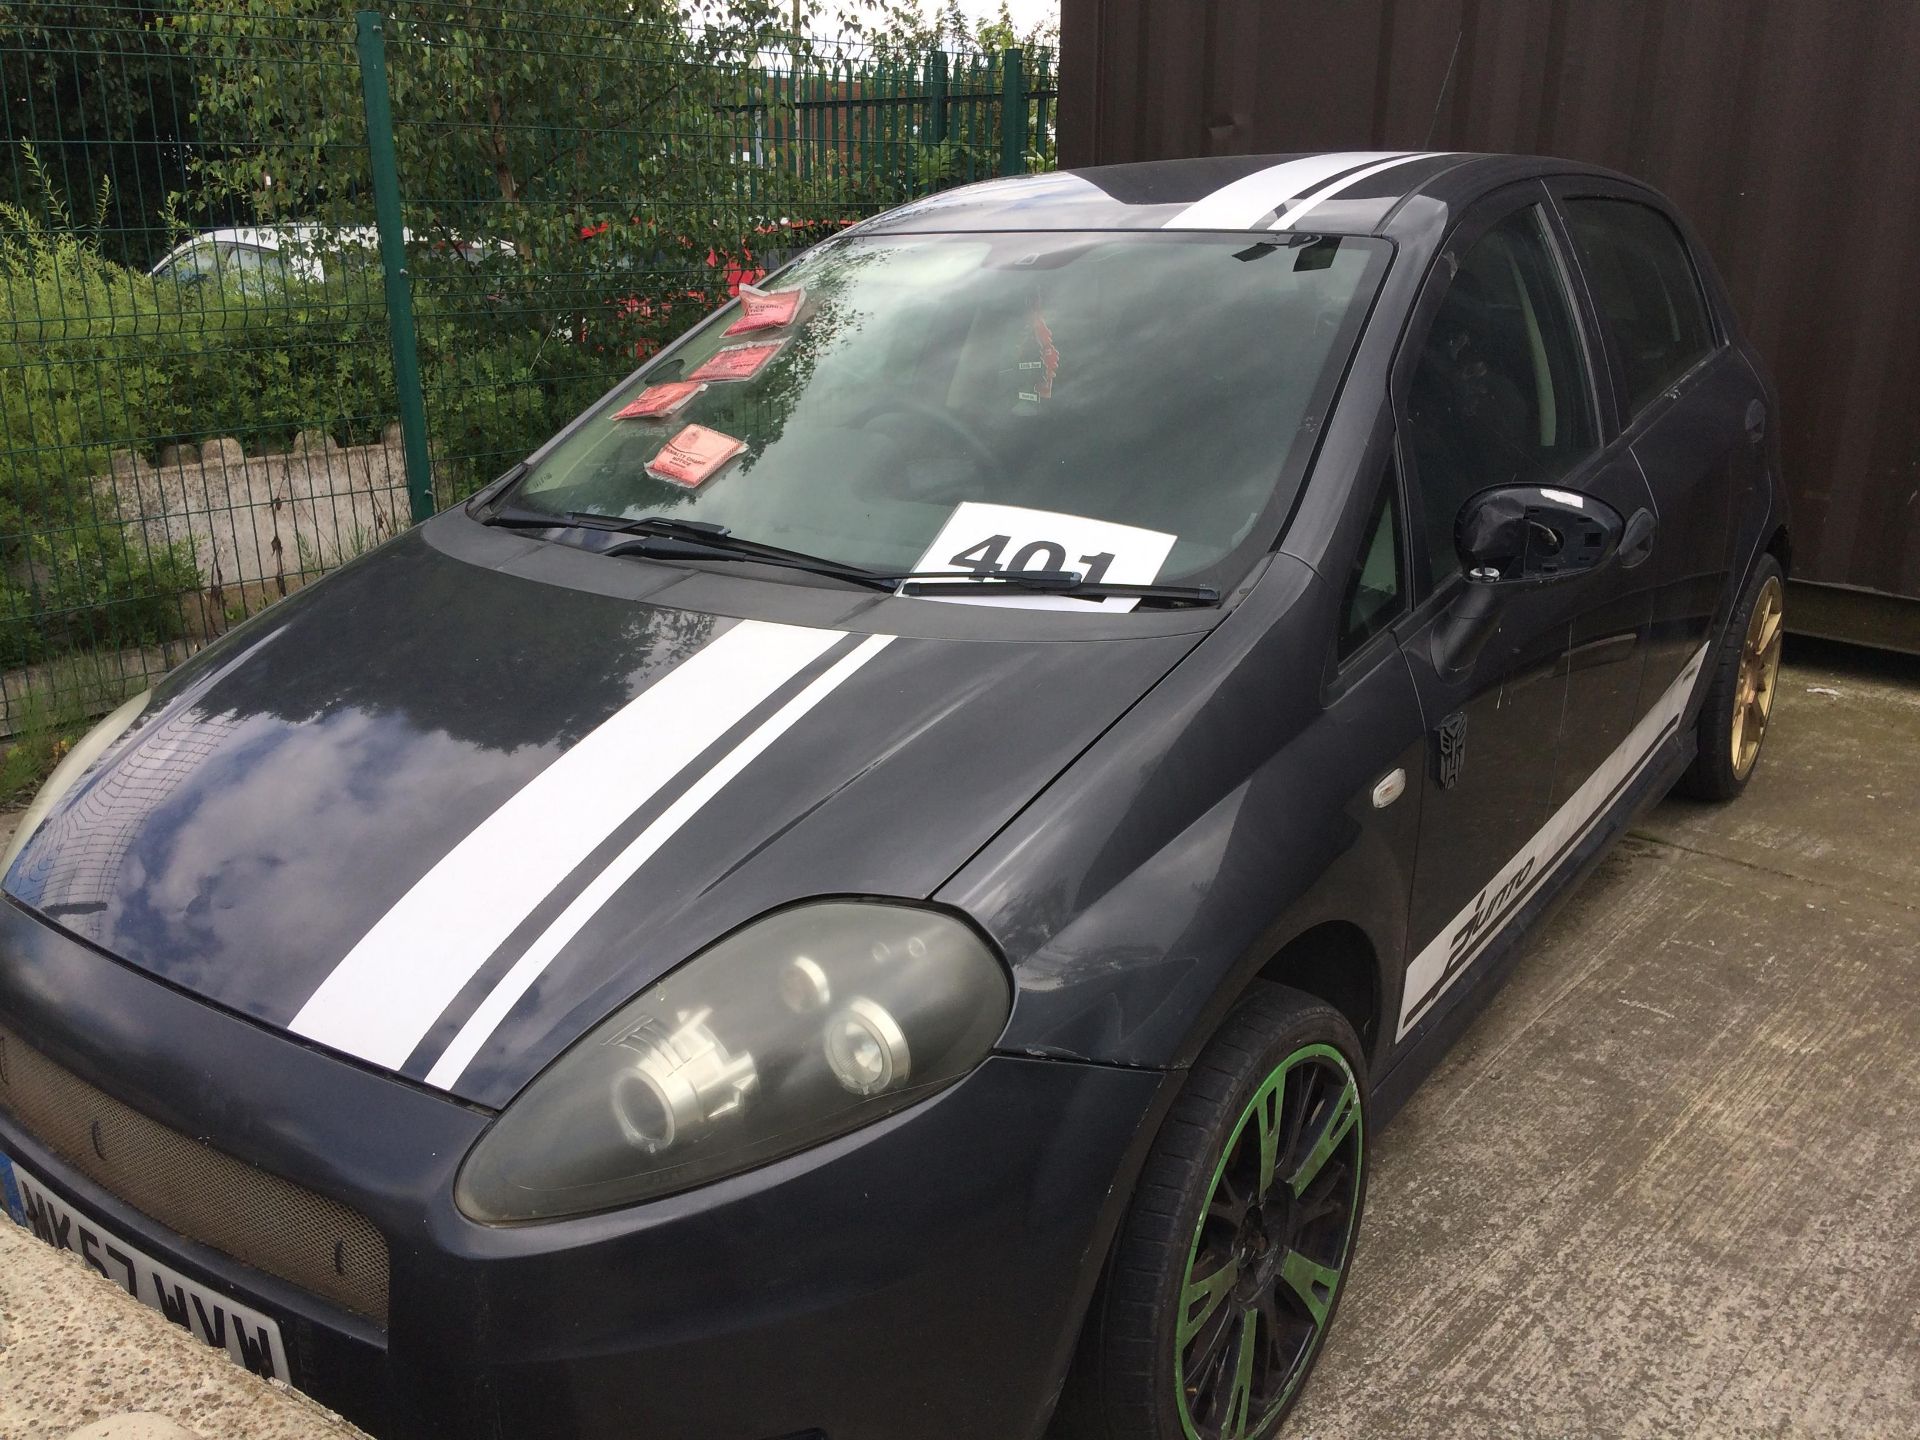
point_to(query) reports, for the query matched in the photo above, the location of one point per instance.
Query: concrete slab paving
(143, 1426)
(76, 1350)
(1669, 1184)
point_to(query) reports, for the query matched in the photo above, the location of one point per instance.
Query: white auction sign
(983, 539)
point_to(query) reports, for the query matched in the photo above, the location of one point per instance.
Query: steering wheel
(897, 403)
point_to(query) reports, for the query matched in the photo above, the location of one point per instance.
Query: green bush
(79, 370)
(263, 367)
(93, 587)
(494, 388)
(75, 335)
(94, 356)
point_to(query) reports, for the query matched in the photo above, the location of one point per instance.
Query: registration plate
(249, 1337)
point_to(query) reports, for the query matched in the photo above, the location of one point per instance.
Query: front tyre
(1230, 1263)
(1740, 692)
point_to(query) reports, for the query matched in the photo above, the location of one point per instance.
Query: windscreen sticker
(1037, 376)
(738, 362)
(983, 539)
(693, 456)
(766, 309)
(658, 400)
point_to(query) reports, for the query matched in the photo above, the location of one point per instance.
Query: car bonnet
(443, 819)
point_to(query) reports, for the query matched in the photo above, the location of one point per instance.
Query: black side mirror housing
(1532, 534)
(1512, 537)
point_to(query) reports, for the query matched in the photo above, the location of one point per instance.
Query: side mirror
(1511, 537)
(1531, 534)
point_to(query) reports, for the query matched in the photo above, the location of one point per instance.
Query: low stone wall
(262, 519)
(90, 682)
(259, 527)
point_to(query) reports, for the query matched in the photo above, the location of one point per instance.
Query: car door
(1495, 385)
(1611, 614)
(1693, 413)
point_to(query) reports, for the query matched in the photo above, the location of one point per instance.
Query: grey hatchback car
(899, 862)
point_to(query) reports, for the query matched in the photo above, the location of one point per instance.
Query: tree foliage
(101, 97)
(529, 127)
(902, 27)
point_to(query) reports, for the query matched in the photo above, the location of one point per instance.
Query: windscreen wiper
(662, 537)
(513, 517)
(671, 545)
(1053, 582)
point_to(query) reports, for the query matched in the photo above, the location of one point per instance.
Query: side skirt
(1457, 1010)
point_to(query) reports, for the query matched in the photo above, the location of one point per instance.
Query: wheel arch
(1335, 961)
(1780, 546)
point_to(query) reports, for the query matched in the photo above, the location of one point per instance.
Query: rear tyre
(1746, 676)
(1229, 1265)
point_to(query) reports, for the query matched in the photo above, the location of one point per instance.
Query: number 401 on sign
(981, 539)
(986, 558)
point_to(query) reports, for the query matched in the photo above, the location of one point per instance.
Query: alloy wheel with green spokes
(1270, 1248)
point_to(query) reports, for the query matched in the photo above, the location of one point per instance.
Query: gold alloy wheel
(1759, 675)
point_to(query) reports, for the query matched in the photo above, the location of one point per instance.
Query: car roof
(273, 237)
(1325, 192)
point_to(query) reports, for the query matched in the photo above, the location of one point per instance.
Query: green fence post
(378, 103)
(937, 98)
(1013, 113)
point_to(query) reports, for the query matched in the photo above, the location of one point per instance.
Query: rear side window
(1644, 283)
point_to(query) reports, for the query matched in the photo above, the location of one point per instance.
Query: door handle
(1756, 421)
(1636, 541)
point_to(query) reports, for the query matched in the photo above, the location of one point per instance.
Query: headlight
(76, 763)
(798, 1028)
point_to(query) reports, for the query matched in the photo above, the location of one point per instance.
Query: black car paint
(287, 791)
(1141, 832)
(798, 1274)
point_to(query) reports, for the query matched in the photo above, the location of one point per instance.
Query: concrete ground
(1668, 1185)
(76, 1350)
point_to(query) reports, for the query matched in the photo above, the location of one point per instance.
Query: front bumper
(918, 1280)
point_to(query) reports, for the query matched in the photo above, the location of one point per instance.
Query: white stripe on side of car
(500, 1001)
(1252, 198)
(1344, 183)
(1451, 953)
(384, 996)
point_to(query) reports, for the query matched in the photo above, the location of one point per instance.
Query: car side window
(1499, 394)
(1647, 291)
(195, 267)
(1376, 588)
(250, 260)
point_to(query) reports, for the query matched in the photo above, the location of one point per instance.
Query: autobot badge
(1450, 751)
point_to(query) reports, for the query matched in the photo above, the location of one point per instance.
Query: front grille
(307, 1240)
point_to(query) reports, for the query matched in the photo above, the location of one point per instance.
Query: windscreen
(1134, 407)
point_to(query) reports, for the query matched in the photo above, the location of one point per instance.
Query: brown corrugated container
(1787, 130)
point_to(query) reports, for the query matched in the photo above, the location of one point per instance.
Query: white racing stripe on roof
(1345, 182)
(531, 966)
(1247, 201)
(385, 995)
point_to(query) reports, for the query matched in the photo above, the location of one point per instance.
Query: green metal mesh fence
(278, 280)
